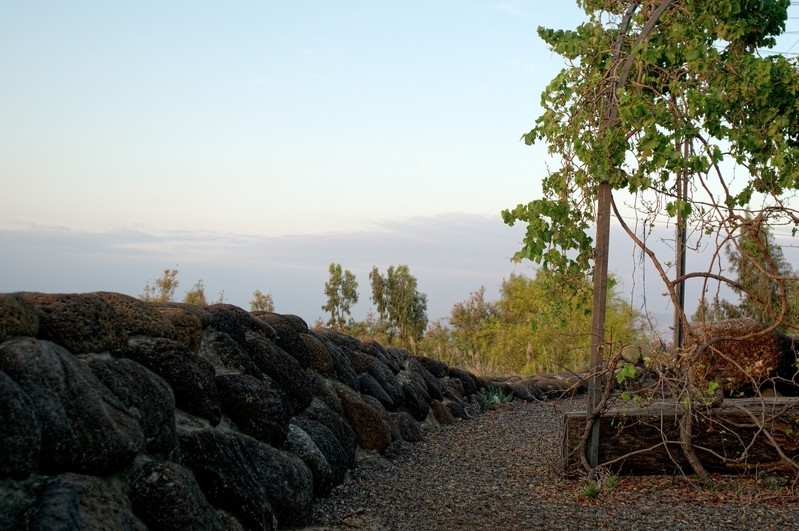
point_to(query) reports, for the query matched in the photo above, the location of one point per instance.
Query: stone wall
(121, 414)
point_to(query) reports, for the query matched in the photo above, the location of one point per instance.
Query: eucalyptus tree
(670, 106)
(342, 294)
(400, 305)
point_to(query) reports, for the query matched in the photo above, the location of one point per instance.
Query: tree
(262, 302)
(764, 282)
(164, 288)
(659, 100)
(685, 91)
(342, 294)
(196, 295)
(399, 304)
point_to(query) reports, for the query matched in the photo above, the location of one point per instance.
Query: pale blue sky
(268, 118)
(251, 144)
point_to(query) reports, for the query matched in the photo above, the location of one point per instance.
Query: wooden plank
(645, 440)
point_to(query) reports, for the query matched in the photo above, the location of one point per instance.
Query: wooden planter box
(726, 439)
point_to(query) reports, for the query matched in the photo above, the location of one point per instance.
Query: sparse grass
(493, 397)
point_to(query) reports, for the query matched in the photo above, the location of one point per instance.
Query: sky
(251, 144)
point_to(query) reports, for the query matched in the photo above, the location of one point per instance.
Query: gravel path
(500, 471)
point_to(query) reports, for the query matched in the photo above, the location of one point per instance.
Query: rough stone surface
(188, 323)
(257, 406)
(415, 402)
(261, 485)
(364, 363)
(342, 366)
(237, 322)
(409, 429)
(284, 369)
(299, 443)
(373, 348)
(431, 382)
(371, 431)
(371, 387)
(226, 355)
(335, 455)
(344, 342)
(323, 390)
(288, 337)
(85, 428)
(470, 385)
(166, 495)
(190, 376)
(74, 501)
(385, 415)
(20, 431)
(79, 322)
(441, 412)
(18, 317)
(437, 368)
(320, 359)
(138, 318)
(146, 395)
(337, 426)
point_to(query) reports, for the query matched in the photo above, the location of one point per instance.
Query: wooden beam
(727, 439)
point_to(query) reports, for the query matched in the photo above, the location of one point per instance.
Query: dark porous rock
(20, 431)
(457, 409)
(138, 318)
(74, 501)
(344, 342)
(437, 368)
(165, 495)
(236, 322)
(284, 369)
(364, 363)
(260, 485)
(373, 348)
(85, 428)
(409, 429)
(79, 322)
(187, 322)
(16, 499)
(371, 387)
(337, 426)
(303, 446)
(320, 359)
(469, 383)
(288, 337)
(18, 317)
(257, 406)
(323, 390)
(416, 403)
(342, 366)
(229, 522)
(297, 322)
(452, 389)
(371, 431)
(226, 355)
(329, 445)
(442, 413)
(200, 312)
(399, 355)
(146, 395)
(431, 382)
(190, 376)
(384, 414)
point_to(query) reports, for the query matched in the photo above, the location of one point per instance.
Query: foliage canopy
(655, 90)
